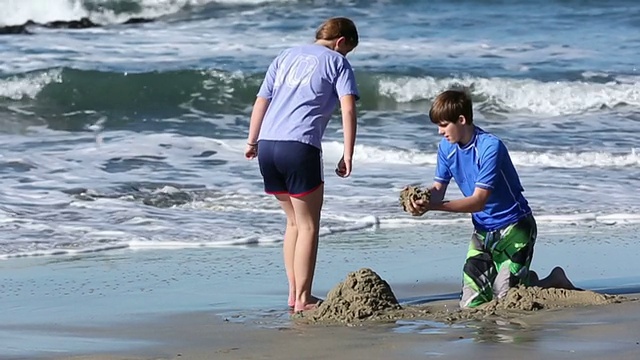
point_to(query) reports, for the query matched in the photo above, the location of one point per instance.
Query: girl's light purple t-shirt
(304, 85)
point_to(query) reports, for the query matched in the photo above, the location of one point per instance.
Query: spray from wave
(17, 12)
(520, 95)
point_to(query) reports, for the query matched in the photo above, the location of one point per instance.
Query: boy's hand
(419, 207)
(414, 200)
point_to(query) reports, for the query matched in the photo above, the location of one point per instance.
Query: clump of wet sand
(365, 297)
(413, 193)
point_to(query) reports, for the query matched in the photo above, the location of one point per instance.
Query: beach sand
(231, 304)
(361, 319)
(591, 332)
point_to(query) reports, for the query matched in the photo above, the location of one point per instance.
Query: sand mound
(535, 298)
(363, 295)
(522, 300)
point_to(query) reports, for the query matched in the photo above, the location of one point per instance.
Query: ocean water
(124, 190)
(131, 136)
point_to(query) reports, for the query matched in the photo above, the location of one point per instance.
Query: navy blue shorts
(290, 167)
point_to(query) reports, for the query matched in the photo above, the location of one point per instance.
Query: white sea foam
(15, 12)
(522, 96)
(353, 224)
(19, 87)
(110, 215)
(378, 155)
(68, 252)
(577, 160)
(401, 220)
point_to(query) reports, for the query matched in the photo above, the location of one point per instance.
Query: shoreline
(585, 332)
(592, 332)
(139, 303)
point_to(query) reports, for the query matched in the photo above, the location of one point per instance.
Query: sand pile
(363, 295)
(522, 300)
(535, 298)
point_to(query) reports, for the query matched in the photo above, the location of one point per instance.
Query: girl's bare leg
(307, 211)
(289, 245)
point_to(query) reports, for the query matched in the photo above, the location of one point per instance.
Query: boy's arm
(438, 190)
(490, 160)
(474, 203)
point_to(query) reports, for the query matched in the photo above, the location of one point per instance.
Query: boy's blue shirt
(485, 163)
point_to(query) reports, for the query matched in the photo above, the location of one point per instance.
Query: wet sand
(365, 297)
(361, 319)
(231, 304)
(590, 332)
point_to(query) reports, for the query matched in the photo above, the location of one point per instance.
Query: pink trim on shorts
(307, 192)
(276, 192)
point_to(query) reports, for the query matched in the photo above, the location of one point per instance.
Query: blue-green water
(129, 137)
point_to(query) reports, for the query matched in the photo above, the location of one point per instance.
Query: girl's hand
(343, 169)
(251, 151)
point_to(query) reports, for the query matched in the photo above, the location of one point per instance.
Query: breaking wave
(64, 90)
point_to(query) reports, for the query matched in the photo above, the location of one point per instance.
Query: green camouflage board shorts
(496, 261)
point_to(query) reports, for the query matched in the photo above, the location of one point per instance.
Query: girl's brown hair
(337, 27)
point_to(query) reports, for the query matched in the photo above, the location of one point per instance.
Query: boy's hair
(449, 105)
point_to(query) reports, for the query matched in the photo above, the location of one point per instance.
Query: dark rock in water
(14, 29)
(137, 21)
(83, 23)
(167, 200)
(156, 195)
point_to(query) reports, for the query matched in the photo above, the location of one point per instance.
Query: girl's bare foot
(292, 300)
(312, 304)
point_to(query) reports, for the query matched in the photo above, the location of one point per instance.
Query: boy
(504, 234)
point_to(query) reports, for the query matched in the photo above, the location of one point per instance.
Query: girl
(293, 107)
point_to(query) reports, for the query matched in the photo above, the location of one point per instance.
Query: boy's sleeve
(346, 81)
(490, 161)
(443, 174)
(266, 89)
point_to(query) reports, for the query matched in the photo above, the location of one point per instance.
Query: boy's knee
(479, 268)
(478, 275)
(472, 297)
